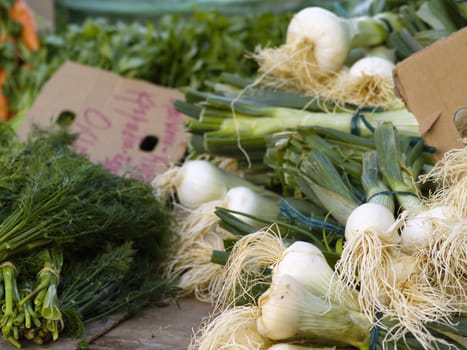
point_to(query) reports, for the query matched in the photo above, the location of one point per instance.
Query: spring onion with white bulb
(369, 230)
(307, 264)
(305, 312)
(288, 310)
(199, 235)
(190, 264)
(416, 277)
(390, 283)
(196, 182)
(437, 230)
(368, 82)
(372, 66)
(246, 201)
(317, 44)
(327, 36)
(418, 230)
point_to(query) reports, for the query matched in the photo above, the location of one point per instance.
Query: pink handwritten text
(138, 104)
(172, 127)
(93, 120)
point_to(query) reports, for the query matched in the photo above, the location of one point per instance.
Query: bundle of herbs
(174, 51)
(67, 223)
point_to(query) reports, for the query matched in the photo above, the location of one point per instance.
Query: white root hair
(232, 329)
(250, 257)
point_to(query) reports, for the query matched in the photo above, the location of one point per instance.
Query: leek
(400, 176)
(375, 189)
(227, 125)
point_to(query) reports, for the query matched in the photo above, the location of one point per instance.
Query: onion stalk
(230, 127)
(398, 171)
(375, 188)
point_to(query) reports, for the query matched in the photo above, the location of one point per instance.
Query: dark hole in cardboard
(149, 143)
(66, 118)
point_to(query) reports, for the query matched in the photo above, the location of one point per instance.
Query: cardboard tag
(128, 125)
(433, 85)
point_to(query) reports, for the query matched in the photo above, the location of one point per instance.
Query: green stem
(9, 280)
(375, 189)
(394, 171)
(371, 31)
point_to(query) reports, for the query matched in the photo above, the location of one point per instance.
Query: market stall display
(308, 210)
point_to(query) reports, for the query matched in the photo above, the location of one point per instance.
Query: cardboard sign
(433, 85)
(128, 125)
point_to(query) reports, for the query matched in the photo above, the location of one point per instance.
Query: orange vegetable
(21, 13)
(4, 114)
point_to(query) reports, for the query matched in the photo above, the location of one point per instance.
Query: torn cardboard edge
(130, 126)
(433, 85)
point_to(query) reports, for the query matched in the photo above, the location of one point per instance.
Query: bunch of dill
(76, 241)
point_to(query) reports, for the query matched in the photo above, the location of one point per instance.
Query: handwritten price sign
(130, 126)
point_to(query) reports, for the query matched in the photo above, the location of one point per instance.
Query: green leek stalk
(370, 31)
(338, 156)
(220, 124)
(396, 172)
(375, 189)
(310, 166)
(426, 23)
(244, 89)
(327, 184)
(438, 15)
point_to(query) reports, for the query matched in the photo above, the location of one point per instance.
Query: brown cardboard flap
(125, 124)
(428, 122)
(433, 85)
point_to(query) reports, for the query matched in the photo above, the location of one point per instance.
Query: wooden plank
(168, 328)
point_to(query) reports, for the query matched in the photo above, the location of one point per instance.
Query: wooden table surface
(159, 328)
